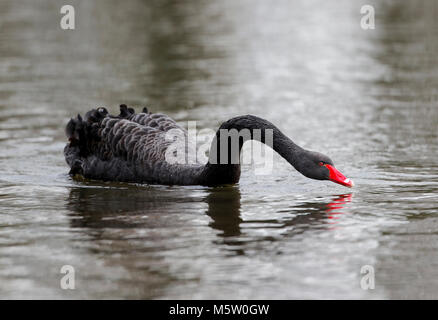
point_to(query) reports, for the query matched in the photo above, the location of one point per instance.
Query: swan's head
(318, 166)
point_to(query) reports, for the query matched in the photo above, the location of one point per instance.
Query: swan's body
(132, 147)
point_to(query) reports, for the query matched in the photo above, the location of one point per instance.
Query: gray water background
(366, 98)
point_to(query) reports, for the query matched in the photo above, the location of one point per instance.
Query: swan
(131, 147)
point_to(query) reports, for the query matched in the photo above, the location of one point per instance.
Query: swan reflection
(225, 210)
(151, 208)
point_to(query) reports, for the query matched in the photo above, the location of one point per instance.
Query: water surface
(368, 99)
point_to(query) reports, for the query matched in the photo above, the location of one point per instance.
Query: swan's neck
(223, 166)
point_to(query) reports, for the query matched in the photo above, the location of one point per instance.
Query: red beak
(338, 177)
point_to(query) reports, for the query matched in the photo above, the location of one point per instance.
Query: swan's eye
(321, 164)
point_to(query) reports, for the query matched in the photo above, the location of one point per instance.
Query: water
(368, 99)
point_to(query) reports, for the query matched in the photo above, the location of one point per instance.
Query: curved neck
(223, 166)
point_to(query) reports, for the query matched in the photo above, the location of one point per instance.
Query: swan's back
(129, 147)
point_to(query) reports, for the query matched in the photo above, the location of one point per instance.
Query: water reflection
(224, 209)
(236, 233)
(100, 208)
(127, 206)
(318, 215)
(338, 203)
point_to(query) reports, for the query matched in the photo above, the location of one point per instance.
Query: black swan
(132, 147)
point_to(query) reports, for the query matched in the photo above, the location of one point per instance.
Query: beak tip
(337, 177)
(349, 183)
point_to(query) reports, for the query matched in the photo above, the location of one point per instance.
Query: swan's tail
(82, 134)
(85, 135)
(74, 129)
(76, 133)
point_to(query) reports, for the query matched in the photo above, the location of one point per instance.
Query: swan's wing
(157, 121)
(163, 123)
(113, 148)
(160, 122)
